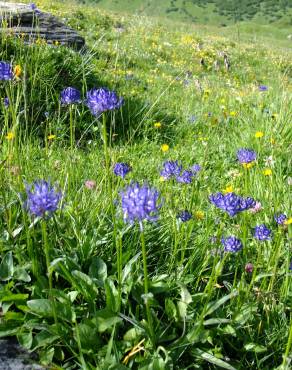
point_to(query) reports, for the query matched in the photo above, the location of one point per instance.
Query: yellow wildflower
(248, 165)
(267, 172)
(17, 70)
(157, 124)
(165, 147)
(51, 137)
(199, 215)
(162, 179)
(228, 189)
(288, 222)
(233, 113)
(272, 141)
(10, 136)
(259, 134)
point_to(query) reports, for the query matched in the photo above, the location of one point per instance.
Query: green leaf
(41, 307)
(212, 359)
(111, 295)
(44, 338)
(105, 319)
(213, 306)
(6, 267)
(22, 275)
(25, 339)
(98, 270)
(14, 297)
(253, 347)
(216, 321)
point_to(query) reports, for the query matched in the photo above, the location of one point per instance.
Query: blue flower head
(70, 95)
(290, 267)
(280, 218)
(232, 203)
(6, 72)
(184, 216)
(121, 169)
(261, 232)
(196, 168)
(186, 177)
(263, 87)
(42, 198)
(171, 169)
(6, 102)
(140, 202)
(101, 100)
(246, 155)
(231, 244)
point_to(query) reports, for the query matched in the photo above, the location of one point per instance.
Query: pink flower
(249, 267)
(257, 208)
(90, 184)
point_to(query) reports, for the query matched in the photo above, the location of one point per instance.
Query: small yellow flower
(272, 141)
(17, 70)
(162, 179)
(259, 134)
(288, 222)
(165, 147)
(199, 215)
(10, 136)
(267, 172)
(51, 137)
(228, 189)
(157, 124)
(233, 113)
(274, 115)
(248, 165)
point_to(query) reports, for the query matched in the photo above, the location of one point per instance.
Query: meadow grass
(83, 288)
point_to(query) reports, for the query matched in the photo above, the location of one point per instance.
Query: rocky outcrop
(32, 24)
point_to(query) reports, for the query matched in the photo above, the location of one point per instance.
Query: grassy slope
(155, 66)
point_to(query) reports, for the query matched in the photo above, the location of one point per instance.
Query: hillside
(145, 181)
(216, 12)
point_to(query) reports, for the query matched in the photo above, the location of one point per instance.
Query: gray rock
(33, 24)
(13, 357)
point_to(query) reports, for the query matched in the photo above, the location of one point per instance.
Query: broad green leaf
(25, 339)
(6, 267)
(105, 319)
(213, 306)
(98, 270)
(253, 347)
(212, 359)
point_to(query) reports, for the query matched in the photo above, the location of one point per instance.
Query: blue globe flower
(6, 72)
(280, 218)
(42, 198)
(261, 232)
(232, 203)
(231, 244)
(246, 155)
(196, 168)
(70, 95)
(186, 177)
(6, 102)
(101, 100)
(140, 202)
(184, 216)
(121, 169)
(171, 169)
(263, 87)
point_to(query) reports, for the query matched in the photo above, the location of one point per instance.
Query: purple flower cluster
(174, 169)
(101, 100)
(171, 169)
(261, 232)
(6, 102)
(263, 87)
(70, 95)
(42, 198)
(140, 202)
(121, 169)
(184, 216)
(232, 203)
(246, 155)
(231, 244)
(6, 72)
(280, 218)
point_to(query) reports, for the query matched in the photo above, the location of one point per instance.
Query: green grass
(73, 285)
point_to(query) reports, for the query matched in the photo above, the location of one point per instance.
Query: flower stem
(49, 271)
(146, 284)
